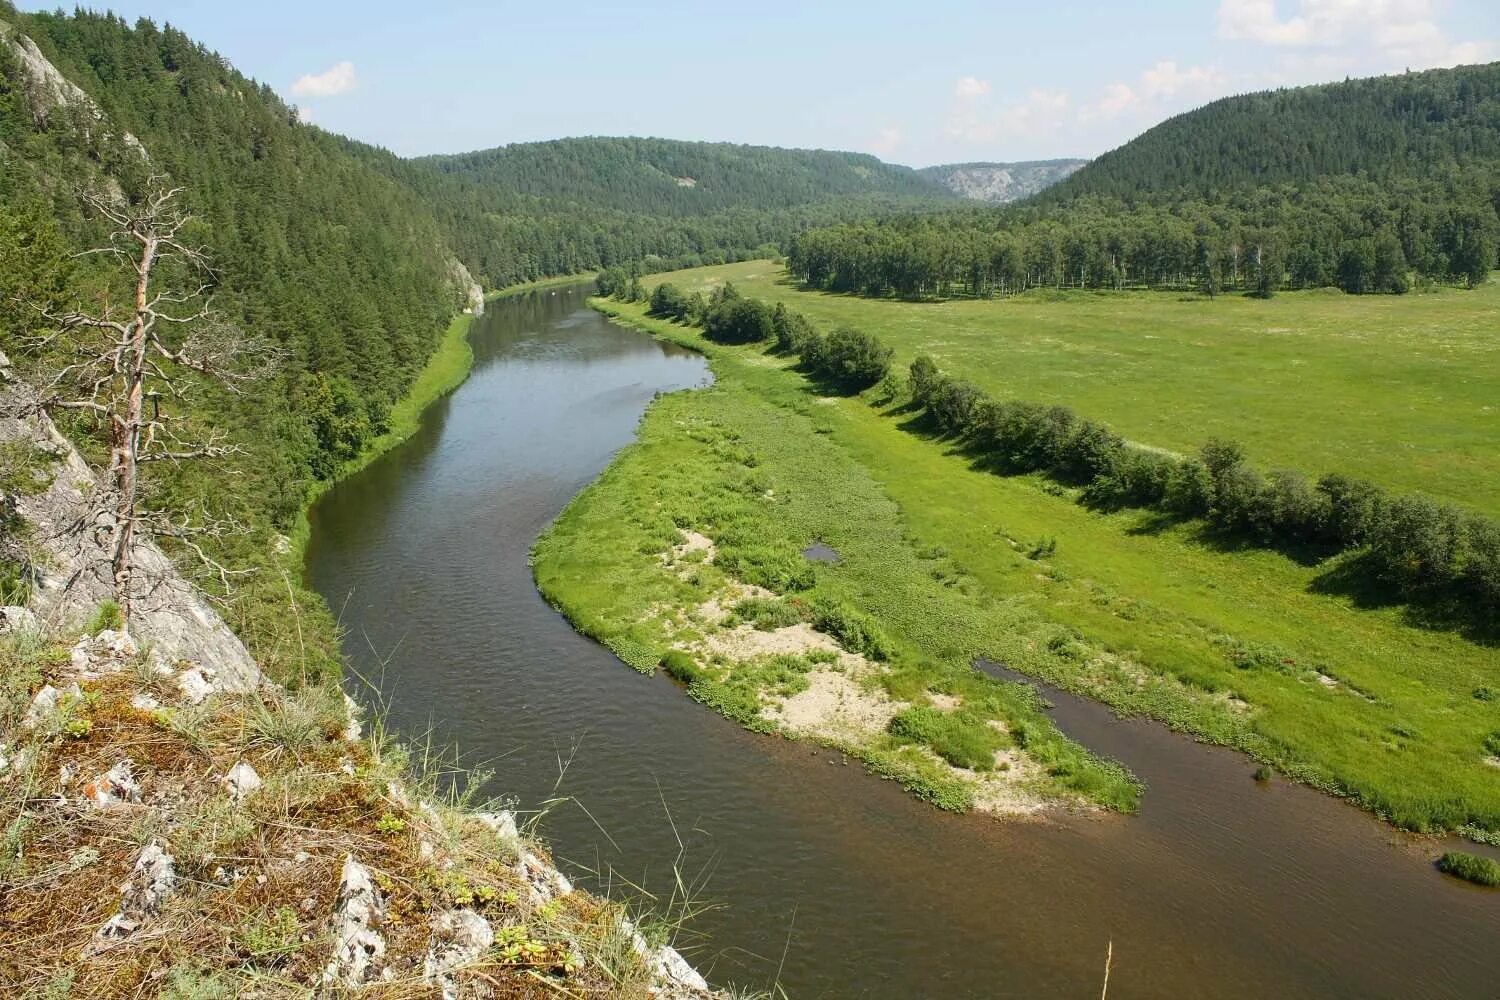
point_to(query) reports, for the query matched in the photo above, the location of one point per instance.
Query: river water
(808, 872)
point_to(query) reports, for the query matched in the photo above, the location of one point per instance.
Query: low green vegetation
(1470, 867)
(1244, 645)
(747, 463)
(1398, 390)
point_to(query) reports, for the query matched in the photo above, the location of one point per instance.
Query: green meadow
(1245, 647)
(1400, 389)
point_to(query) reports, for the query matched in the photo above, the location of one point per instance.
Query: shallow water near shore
(818, 875)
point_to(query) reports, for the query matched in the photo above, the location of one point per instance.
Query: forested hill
(673, 178)
(1410, 126)
(531, 209)
(1000, 183)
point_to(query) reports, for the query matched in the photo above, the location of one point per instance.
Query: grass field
(1404, 390)
(1245, 647)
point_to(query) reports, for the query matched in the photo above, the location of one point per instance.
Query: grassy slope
(1401, 731)
(1400, 389)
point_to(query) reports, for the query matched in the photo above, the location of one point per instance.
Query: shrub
(924, 374)
(1416, 541)
(1189, 489)
(1353, 508)
(1090, 450)
(791, 329)
(669, 301)
(680, 666)
(961, 738)
(1289, 509)
(853, 630)
(1136, 477)
(1471, 867)
(952, 404)
(738, 321)
(849, 358)
(1482, 560)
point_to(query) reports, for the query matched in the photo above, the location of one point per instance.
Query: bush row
(847, 358)
(1413, 543)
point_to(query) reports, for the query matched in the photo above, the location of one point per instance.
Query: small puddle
(819, 552)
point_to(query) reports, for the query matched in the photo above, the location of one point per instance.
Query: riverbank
(688, 552)
(446, 370)
(1155, 621)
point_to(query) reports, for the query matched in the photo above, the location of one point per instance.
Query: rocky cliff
(1001, 182)
(176, 824)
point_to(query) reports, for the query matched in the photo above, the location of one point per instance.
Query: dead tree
(130, 366)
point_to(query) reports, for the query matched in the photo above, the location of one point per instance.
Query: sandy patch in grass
(746, 642)
(944, 702)
(834, 706)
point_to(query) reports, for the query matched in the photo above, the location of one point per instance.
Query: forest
(1366, 185)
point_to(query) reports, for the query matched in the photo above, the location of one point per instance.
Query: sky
(940, 81)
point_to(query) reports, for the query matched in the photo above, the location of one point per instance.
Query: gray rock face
(50, 89)
(70, 565)
(1001, 182)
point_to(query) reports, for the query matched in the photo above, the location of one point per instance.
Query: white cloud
(338, 79)
(1386, 34)
(1039, 110)
(887, 142)
(970, 87)
(1165, 86)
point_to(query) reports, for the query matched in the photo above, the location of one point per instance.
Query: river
(810, 872)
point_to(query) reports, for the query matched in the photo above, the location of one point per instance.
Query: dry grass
(258, 876)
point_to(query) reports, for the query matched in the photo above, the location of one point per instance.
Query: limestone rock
(19, 621)
(459, 937)
(114, 787)
(106, 653)
(151, 881)
(195, 685)
(358, 948)
(73, 574)
(543, 882)
(503, 823)
(47, 703)
(241, 780)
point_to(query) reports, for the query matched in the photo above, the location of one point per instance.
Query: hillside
(1414, 125)
(528, 210)
(1370, 186)
(1000, 183)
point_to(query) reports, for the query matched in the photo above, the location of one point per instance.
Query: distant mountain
(1412, 125)
(998, 183)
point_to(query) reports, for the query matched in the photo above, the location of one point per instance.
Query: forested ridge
(528, 210)
(1409, 125)
(343, 258)
(1366, 185)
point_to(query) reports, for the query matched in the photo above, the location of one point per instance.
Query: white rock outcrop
(71, 571)
(459, 937)
(358, 947)
(543, 882)
(241, 780)
(151, 881)
(114, 787)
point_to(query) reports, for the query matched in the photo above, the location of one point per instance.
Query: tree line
(845, 359)
(1421, 549)
(1343, 232)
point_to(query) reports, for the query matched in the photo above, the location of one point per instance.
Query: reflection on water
(1220, 887)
